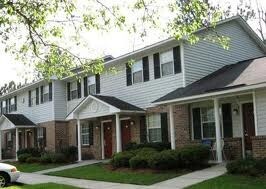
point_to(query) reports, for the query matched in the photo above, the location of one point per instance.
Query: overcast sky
(113, 43)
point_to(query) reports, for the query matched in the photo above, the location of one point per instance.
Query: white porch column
(79, 140)
(172, 127)
(218, 131)
(118, 134)
(0, 144)
(17, 144)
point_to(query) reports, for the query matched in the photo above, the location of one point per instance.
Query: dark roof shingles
(19, 119)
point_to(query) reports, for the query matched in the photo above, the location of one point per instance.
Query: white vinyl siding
(261, 111)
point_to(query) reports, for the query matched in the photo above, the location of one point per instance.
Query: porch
(16, 132)
(103, 126)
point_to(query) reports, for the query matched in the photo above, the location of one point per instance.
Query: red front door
(126, 134)
(248, 125)
(107, 130)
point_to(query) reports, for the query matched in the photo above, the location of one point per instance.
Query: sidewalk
(175, 183)
(74, 165)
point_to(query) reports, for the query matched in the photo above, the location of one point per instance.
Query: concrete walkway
(74, 165)
(175, 183)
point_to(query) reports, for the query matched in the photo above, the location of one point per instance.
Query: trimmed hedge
(23, 157)
(71, 153)
(189, 157)
(250, 166)
(121, 159)
(142, 158)
(35, 152)
(159, 146)
(33, 160)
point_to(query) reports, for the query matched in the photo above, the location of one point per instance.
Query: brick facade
(259, 146)
(233, 148)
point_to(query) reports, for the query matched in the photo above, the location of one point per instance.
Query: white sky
(113, 43)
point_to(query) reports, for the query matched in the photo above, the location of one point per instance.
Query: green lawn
(41, 186)
(101, 173)
(232, 182)
(33, 167)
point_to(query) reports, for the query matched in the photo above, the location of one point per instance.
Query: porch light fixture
(132, 122)
(235, 111)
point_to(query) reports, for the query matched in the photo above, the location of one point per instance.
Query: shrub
(121, 159)
(167, 159)
(193, 157)
(34, 152)
(33, 160)
(142, 158)
(46, 158)
(71, 153)
(58, 158)
(159, 146)
(249, 166)
(23, 157)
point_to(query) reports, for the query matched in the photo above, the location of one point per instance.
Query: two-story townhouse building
(102, 113)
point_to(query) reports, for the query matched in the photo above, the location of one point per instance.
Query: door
(248, 125)
(126, 133)
(108, 148)
(29, 139)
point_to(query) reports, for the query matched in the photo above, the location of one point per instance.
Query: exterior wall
(61, 135)
(50, 135)
(233, 148)
(259, 146)
(60, 99)
(204, 57)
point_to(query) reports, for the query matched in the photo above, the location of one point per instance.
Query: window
(9, 139)
(41, 137)
(167, 63)
(154, 128)
(12, 105)
(45, 94)
(73, 90)
(91, 85)
(208, 122)
(40, 133)
(137, 72)
(4, 107)
(85, 135)
(33, 98)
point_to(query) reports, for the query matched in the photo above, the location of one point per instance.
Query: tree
(35, 30)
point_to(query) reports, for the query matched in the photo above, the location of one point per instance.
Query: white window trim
(84, 134)
(148, 127)
(38, 133)
(132, 73)
(88, 84)
(72, 90)
(161, 63)
(9, 137)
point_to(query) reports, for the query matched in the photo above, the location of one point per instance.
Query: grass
(33, 167)
(41, 186)
(100, 172)
(232, 182)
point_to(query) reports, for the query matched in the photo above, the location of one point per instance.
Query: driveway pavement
(175, 183)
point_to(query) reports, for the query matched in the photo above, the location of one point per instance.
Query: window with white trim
(4, 107)
(9, 139)
(45, 93)
(73, 90)
(12, 105)
(137, 72)
(207, 122)
(40, 133)
(91, 85)
(33, 98)
(85, 134)
(154, 127)
(167, 63)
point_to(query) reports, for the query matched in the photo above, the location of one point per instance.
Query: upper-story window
(137, 72)
(13, 104)
(4, 105)
(167, 63)
(73, 90)
(45, 94)
(91, 85)
(32, 98)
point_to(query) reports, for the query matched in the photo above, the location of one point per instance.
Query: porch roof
(241, 76)
(11, 121)
(98, 105)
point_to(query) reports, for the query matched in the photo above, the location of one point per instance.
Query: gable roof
(242, 74)
(19, 120)
(116, 105)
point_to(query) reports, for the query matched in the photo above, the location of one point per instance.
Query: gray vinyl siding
(205, 57)
(60, 99)
(261, 111)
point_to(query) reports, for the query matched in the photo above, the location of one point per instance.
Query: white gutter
(240, 89)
